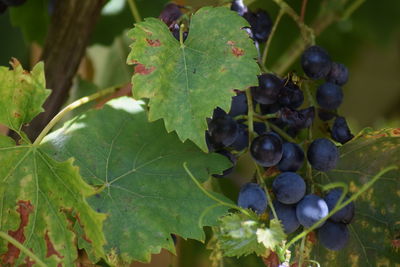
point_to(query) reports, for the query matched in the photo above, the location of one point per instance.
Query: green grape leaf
(375, 229)
(272, 236)
(138, 168)
(237, 235)
(21, 94)
(186, 82)
(40, 199)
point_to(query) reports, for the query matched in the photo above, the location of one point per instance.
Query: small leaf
(22, 94)
(40, 198)
(237, 235)
(186, 82)
(146, 194)
(271, 237)
(377, 211)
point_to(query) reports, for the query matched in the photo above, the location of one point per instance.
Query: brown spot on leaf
(50, 247)
(272, 260)
(78, 220)
(24, 209)
(17, 115)
(153, 43)
(142, 70)
(230, 43)
(237, 51)
(396, 131)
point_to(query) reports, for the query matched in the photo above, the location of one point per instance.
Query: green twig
(250, 114)
(339, 206)
(353, 7)
(134, 11)
(232, 206)
(260, 180)
(21, 247)
(259, 117)
(282, 133)
(71, 107)
(268, 44)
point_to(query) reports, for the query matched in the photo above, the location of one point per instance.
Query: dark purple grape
(252, 196)
(298, 119)
(268, 89)
(231, 158)
(222, 128)
(259, 127)
(239, 7)
(333, 236)
(287, 215)
(175, 32)
(170, 14)
(289, 188)
(316, 62)
(261, 24)
(266, 149)
(322, 154)
(291, 96)
(311, 209)
(339, 74)
(270, 109)
(344, 215)
(329, 96)
(326, 115)
(292, 158)
(238, 105)
(242, 139)
(340, 131)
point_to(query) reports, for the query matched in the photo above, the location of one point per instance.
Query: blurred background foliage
(368, 42)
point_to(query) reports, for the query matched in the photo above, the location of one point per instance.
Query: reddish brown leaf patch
(396, 131)
(312, 238)
(17, 115)
(24, 209)
(153, 43)
(237, 51)
(50, 247)
(142, 70)
(272, 260)
(29, 262)
(230, 43)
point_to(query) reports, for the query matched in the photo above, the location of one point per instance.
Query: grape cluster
(280, 115)
(4, 4)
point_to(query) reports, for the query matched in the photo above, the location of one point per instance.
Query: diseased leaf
(21, 94)
(40, 199)
(237, 235)
(144, 188)
(272, 236)
(186, 82)
(376, 227)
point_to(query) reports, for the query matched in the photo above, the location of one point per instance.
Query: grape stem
(250, 114)
(134, 11)
(268, 44)
(22, 248)
(282, 133)
(342, 204)
(71, 107)
(303, 240)
(232, 206)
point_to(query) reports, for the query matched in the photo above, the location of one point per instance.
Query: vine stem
(303, 241)
(21, 247)
(250, 114)
(303, 12)
(353, 7)
(268, 44)
(342, 205)
(282, 133)
(134, 11)
(71, 107)
(213, 197)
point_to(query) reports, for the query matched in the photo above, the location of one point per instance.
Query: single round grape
(268, 89)
(291, 96)
(329, 96)
(259, 127)
(344, 215)
(261, 24)
(287, 215)
(231, 158)
(292, 157)
(311, 209)
(322, 154)
(316, 62)
(266, 149)
(333, 236)
(289, 188)
(222, 128)
(238, 105)
(170, 14)
(340, 131)
(339, 74)
(252, 196)
(242, 139)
